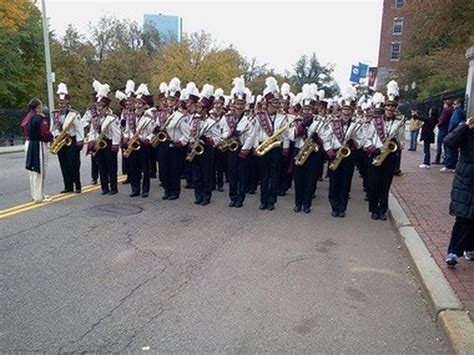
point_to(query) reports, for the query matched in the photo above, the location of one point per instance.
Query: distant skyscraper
(169, 27)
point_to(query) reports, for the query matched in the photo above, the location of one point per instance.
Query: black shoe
(238, 204)
(232, 203)
(374, 216)
(188, 186)
(113, 192)
(134, 194)
(252, 192)
(382, 216)
(307, 209)
(153, 176)
(366, 198)
(220, 189)
(271, 207)
(165, 196)
(334, 214)
(94, 182)
(282, 193)
(436, 163)
(65, 191)
(125, 182)
(263, 207)
(297, 208)
(145, 194)
(105, 192)
(173, 197)
(205, 202)
(197, 202)
(78, 191)
(342, 214)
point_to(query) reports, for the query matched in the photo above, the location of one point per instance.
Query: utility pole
(47, 56)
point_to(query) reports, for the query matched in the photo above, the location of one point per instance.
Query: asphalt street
(118, 274)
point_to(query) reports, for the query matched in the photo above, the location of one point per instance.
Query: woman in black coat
(462, 194)
(427, 135)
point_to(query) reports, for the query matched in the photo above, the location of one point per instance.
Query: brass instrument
(273, 141)
(197, 148)
(100, 142)
(310, 145)
(133, 143)
(161, 136)
(345, 151)
(389, 146)
(63, 139)
(228, 144)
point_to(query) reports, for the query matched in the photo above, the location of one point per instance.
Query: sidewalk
(424, 195)
(12, 149)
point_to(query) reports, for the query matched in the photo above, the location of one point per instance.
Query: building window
(399, 3)
(395, 51)
(397, 25)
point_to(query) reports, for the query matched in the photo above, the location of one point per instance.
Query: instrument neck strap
(264, 121)
(379, 125)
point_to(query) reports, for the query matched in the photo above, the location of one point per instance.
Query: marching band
(272, 140)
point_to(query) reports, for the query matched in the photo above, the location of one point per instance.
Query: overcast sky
(277, 33)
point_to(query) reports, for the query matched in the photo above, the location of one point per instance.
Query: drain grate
(114, 210)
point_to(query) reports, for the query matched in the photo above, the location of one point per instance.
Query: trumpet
(63, 139)
(273, 141)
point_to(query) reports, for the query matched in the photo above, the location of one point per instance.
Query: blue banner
(363, 70)
(355, 74)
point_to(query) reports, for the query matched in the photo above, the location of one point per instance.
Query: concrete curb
(445, 304)
(12, 149)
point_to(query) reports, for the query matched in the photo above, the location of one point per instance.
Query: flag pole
(47, 57)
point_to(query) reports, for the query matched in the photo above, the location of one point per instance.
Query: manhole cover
(113, 210)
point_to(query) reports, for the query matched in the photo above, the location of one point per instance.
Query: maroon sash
(338, 130)
(162, 117)
(231, 122)
(195, 126)
(57, 119)
(264, 121)
(95, 119)
(379, 125)
(130, 117)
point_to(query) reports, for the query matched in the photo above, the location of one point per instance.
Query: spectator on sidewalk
(414, 125)
(428, 136)
(462, 194)
(451, 155)
(443, 123)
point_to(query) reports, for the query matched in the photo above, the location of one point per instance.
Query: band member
(189, 98)
(270, 122)
(342, 137)
(36, 132)
(220, 158)
(177, 130)
(90, 115)
(384, 137)
(363, 159)
(238, 141)
(307, 156)
(127, 115)
(160, 113)
(204, 134)
(138, 145)
(68, 122)
(254, 163)
(286, 175)
(105, 127)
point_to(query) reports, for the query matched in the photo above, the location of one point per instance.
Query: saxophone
(345, 151)
(273, 141)
(63, 139)
(161, 136)
(133, 143)
(389, 145)
(197, 148)
(310, 145)
(100, 142)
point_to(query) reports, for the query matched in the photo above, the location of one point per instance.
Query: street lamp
(47, 55)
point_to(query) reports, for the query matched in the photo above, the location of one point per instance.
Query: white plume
(62, 89)
(361, 100)
(292, 97)
(103, 90)
(392, 88)
(349, 93)
(330, 102)
(174, 85)
(248, 96)
(218, 93)
(238, 86)
(227, 100)
(142, 90)
(313, 90)
(271, 85)
(259, 99)
(297, 99)
(306, 92)
(285, 89)
(321, 94)
(130, 87)
(163, 87)
(207, 91)
(119, 95)
(192, 89)
(378, 99)
(364, 106)
(96, 85)
(184, 95)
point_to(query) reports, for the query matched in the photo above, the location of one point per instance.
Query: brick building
(394, 38)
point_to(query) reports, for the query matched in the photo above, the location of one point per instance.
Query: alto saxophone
(345, 151)
(133, 143)
(389, 145)
(310, 145)
(63, 139)
(100, 142)
(273, 141)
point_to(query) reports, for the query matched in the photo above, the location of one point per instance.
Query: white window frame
(397, 2)
(401, 20)
(399, 51)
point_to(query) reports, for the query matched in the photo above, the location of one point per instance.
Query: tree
(308, 70)
(13, 14)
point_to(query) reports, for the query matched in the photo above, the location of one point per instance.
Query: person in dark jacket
(427, 135)
(451, 155)
(462, 194)
(443, 123)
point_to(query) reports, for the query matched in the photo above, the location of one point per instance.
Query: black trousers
(140, 169)
(152, 156)
(306, 179)
(340, 182)
(253, 173)
(125, 166)
(94, 168)
(238, 174)
(70, 163)
(286, 174)
(107, 162)
(269, 176)
(188, 171)
(202, 168)
(362, 164)
(219, 169)
(172, 159)
(462, 236)
(380, 179)
(163, 169)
